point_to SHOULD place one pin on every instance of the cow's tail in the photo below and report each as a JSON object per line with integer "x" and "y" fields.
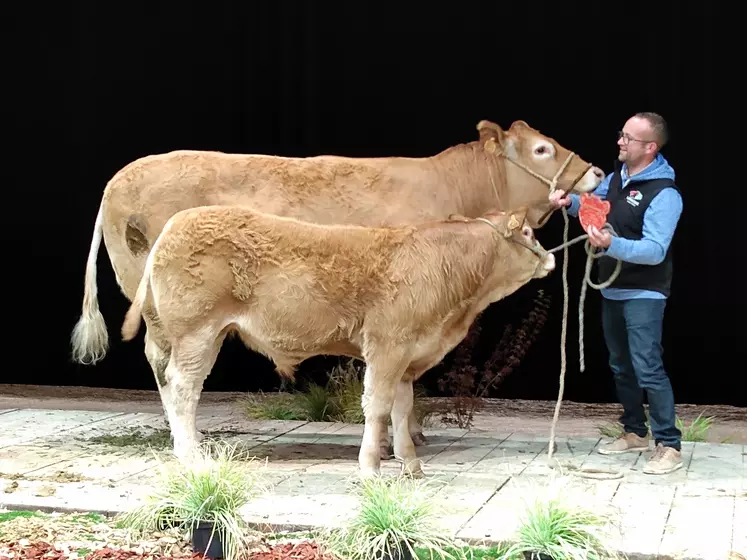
{"x": 134, "y": 314}
{"x": 90, "y": 339}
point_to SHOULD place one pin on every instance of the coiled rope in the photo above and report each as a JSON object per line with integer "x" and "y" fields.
{"x": 591, "y": 254}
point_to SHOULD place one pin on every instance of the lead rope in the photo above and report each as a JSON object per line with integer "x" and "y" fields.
{"x": 591, "y": 253}
{"x": 600, "y": 474}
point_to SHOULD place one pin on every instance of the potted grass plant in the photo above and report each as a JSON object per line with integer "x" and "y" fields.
{"x": 394, "y": 516}
{"x": 202, "y": 499}
{"x": 554, "y": 527}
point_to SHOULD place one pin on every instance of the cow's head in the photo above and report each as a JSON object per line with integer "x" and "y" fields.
{"x": 535, "y": 165}
{"x": 529, "y": 253}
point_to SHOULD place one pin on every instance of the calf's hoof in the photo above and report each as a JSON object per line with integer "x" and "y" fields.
{"x": 418, "y": 438}
{"x": 185, "y": 455}
{"x": 369, "y": 472}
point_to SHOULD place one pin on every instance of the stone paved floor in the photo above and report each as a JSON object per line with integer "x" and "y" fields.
{"x": 699, "y": 511}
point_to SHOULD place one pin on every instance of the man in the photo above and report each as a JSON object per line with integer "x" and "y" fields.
{"x": 645, "y": 207}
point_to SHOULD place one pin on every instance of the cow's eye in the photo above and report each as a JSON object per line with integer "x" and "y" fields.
{"x": 539, "y": 150}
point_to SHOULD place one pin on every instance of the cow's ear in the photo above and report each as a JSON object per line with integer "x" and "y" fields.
{"x": 519, "y": 124}
{"x": 491, "y": 135}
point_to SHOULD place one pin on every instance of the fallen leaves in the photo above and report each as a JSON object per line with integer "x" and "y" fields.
{"x": 69, "y": 532}
{"x": 291, "y": 551}
{"x": 63, "y": 536}
{"x": 26, "y": 550}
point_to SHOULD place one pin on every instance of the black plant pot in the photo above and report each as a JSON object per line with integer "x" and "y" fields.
{"x": 403, "y": 554}
{"x": 166, "y": 519}
{"x": 531, "y": 555}
{"x": 201, "y": 537}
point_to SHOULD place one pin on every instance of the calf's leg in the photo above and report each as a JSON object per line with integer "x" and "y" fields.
{"x": 383, "y": 372}
{"x": 190, "y": 363}
{"x": 158, "y": 358}
{"x": 157, "y": 351}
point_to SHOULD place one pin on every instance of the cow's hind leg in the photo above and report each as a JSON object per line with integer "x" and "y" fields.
{"x": 186, "y": 371}
{"x": 404, "y": 448}
{"x": 383, "y": 372}
{"x": 386, "y": 449}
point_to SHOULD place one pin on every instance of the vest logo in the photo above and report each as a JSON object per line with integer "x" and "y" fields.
{"x": 634, "y": 198}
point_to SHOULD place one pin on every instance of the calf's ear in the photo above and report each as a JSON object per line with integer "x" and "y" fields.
{"x": 517, "y": 218}
{"x": 512, "y": 221}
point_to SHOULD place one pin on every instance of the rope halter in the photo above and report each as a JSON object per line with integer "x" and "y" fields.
{"x": 536, "y": 248}
{"x": 492, "y": 147}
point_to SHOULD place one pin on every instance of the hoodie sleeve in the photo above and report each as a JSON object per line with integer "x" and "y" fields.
{"x": 659, "y": 223}
{"x": 600, "y": 191}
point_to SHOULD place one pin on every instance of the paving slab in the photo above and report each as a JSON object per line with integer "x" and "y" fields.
{"x": 699, "y": 527}
{"x": 22, "y": 426}
{"x": 739, "y": 526}
{"x": 483, "y": 478}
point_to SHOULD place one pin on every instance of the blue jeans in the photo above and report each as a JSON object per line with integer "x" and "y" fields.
{"x": 632, "y": 331}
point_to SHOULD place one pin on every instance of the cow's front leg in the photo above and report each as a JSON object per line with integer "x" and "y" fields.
{"x": 383, "y": 372}
{"x": 404, "y": 449}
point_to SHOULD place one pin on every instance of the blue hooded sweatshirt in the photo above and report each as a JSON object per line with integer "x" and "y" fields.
{"x": 659, "y": 223}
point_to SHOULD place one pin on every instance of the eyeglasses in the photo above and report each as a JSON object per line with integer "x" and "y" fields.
{"x": 627, "y": 138}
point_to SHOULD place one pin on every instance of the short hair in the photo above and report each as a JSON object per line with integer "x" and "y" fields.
{"x": 658, "y": 125}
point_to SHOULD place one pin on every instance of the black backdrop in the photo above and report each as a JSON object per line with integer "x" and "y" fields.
{"x": 95, "y": 85}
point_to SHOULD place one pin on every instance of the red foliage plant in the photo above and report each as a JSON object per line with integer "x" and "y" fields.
{"x": 469, "y": 384}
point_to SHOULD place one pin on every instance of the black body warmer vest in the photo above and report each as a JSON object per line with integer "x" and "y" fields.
{"x": 627, "y": 207}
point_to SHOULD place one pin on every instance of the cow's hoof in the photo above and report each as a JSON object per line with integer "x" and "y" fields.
{"x": 386, "y": 453}
{"x": 415, "y": 473}
{"x": 411, "y": 468}
{"x": 418, "y": 438}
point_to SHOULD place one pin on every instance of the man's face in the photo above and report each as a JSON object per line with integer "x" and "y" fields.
{"x": 636, "y": 141}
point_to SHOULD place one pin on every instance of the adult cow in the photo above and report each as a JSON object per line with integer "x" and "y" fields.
{"x": 397, "y": 298}
{"x": 501, "y": 170}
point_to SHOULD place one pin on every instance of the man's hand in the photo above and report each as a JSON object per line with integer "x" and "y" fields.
{"x": 601, "y": 239}
{"x": 559, "y": 198}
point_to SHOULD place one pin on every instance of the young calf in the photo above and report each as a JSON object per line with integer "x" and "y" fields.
{"x": 398, "y": 298}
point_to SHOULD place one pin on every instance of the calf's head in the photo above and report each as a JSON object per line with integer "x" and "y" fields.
{"x": 522, "y": 256}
